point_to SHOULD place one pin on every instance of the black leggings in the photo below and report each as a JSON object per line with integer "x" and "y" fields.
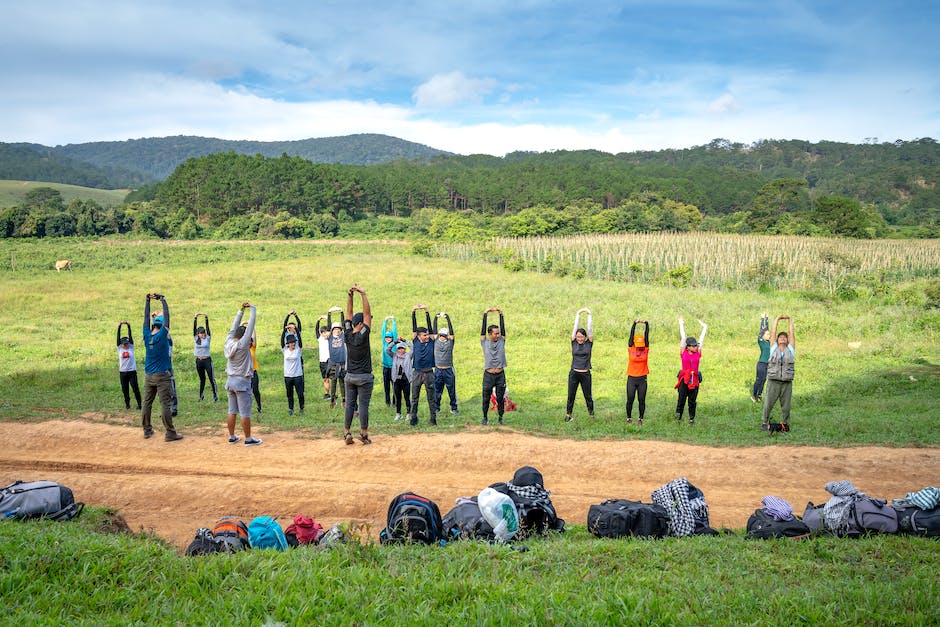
{"x": 255, "y": 389}
{"x": 291, "y": 384}
{"x": 636, "y": 389}
{"x": 402, "y": 390}
{"x": 491, "y": 381}
{"x": 583, "y": 379}
{"x": 691, "y": 395}
{"x": 204, "y": 369}
{"x": 129, "y": 380}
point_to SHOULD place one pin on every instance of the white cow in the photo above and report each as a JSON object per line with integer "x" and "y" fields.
{"x": 63, "y": 264}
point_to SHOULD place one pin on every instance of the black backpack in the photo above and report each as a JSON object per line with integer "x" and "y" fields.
{"x": 922, "y": 522}
{"x": 617, "y": 518}
{"x": 38, "y": 499}
{"x": 763, "y": 525}
{"x": 412, "y": 518}
{"x": 205, "y": 543}
{"x": 466, "y": 522}
{"x": 536, "y": 515}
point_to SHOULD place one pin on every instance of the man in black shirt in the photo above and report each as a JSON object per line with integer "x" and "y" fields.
{"x": 359, "y": 379}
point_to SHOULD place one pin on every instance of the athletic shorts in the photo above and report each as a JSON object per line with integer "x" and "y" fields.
{"x": 239, "y": 402}
{"x": 324, "y": 369}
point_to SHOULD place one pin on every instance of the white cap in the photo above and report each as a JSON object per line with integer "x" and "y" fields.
{"x": 443, "y": 331}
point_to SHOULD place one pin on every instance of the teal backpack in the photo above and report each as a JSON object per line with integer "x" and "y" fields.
{"x": 265, "y": 533}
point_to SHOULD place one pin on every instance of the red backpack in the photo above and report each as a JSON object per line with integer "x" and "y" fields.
{"x": 304, "y": 530}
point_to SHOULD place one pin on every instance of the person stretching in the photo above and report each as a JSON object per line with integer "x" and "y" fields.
{"x": 582, "y": 342}
{"x": 323, "y": 348}
{"x": 422, "y": 354}
{"x": 293, "y": 371}
{"x": 444, "y": 375}
{"x": 239, "y": 368}
{"x": 159, "y": 369}
{"x": 689, "y": 378}
{"x": 402, "y": 372}
{"x": 359, "y": 379}
{"x": 781, "y": 367}
{"x": 127, "y": 365}
{"x": 637, "y": 369}
{"x": 336, "y": 368}
{"x": 389, "y": 335}
{"x": 493, "y": 343}
{"x": 202, "y": 338}
{"x": 763, "y": 343}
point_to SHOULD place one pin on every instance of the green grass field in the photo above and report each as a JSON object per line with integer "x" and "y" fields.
{"x": 867, "y": 373}
{"x": 13, "y": 192}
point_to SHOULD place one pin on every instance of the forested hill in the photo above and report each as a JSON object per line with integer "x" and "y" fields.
{"x": 32, "y": 162}
{"x": 157, "y": 157}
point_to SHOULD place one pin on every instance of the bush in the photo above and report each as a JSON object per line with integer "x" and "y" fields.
{"x": 423, "y": 247}
{"x": 680, "y": 276}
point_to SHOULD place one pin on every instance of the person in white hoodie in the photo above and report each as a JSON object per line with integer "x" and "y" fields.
{"x": 240, "y": 368}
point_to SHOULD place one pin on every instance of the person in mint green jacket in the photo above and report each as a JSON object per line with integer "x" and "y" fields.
{"x": 389, "y": 336}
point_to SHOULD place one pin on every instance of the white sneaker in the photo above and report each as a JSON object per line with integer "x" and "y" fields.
{"x": 397, "y": 416}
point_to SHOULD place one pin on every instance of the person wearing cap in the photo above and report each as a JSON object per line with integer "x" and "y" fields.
{"x": 637, "y": 369}
{"x": 323, "y": 350}
{"x": 402, "y": 372}
{"x": 493, "y": 343}
{"x": 781, "y": 366}
{"x": 158, "y": 369}
{"x": 174, "y": 399}
{"x": 389, "y": 335}
{"x": 444, "y": 375}
{"x": 127, "y": 365}
{"x": 202, "y": 338}
{"x": 336, "y": 368}
{"x": 689, "y": 377}
{"x": 582, "y": 343}
{"x": 359, "y": 379}
{"x": 292, "y": 348}
{"x": 763, "y": 344}
{"x": 422, "y": 354}
{"x": 239, "y": 368}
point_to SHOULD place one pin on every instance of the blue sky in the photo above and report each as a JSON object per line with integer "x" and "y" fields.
{"x": 472, "y": 77}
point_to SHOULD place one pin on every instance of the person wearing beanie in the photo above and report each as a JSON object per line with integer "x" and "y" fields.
{"x": 389, "y": 335}
{"x": 444, "y": 375}
{"x": 127, "y": 365}
{"x": 689, "y": 377}
{"x": 202, "y": 339}
{"x": 158, "y": 369}
{"x": 493, "y": 343}
{"x": 637, "y": 369}
{"x": 239, "y": 367}
{"x": 422, "y": 354}
{"x": 359, "y": 379}
{"x": 582, "y": 343}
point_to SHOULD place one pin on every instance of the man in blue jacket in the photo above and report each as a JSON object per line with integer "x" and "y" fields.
{"x": 158, "y": 369}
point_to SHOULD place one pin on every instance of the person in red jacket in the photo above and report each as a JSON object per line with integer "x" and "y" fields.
{"x": 689, "y": 378}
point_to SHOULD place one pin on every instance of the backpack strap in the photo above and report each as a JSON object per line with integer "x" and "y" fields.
{"x": 73, "y": 510}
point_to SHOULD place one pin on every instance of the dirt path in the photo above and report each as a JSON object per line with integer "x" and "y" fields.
{"x": 172, "y": 489}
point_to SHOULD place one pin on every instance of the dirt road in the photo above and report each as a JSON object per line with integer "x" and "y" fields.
{"x": 171, "y": 489}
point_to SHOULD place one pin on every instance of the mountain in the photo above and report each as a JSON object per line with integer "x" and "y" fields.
{"x": 157, "y": 157}
{"x": 32, "y": 162}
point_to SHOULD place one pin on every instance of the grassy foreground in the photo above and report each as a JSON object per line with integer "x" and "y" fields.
{"x": 55, "y": 573}
{"x": 867, "y": 371}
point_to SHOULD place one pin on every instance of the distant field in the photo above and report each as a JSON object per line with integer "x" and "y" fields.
{"x": 13, "y": 192}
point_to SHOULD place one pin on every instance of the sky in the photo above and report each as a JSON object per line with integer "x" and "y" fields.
{"x": 476, "y": 76}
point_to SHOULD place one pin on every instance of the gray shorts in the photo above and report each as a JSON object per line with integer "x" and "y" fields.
{"x": 239, "y": 402}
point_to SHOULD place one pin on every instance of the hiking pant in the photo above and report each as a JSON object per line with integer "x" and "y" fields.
{"x": 255, "y": 390}
{"x": 336, "y": 373}
{"x": 759, "y": 380}
{"x": 583, "y": 379}
{"x": 491, "y": 381}
{"x": 291, "y": 384}
{"x": 387, "y": 384}
{"x": 204, "y": 369}
{"x": 782, "y": 390}
{"x": 174, "y": 399}
{"x": 445, "y": 377}
{"x": 359, "y": 391}
{"x": 691, "y": 395}
{"x": 636, "y": 390}
{"x": 128, "y": 381}
{"x": 423, "y": 378}
{"x": 402, "y": 390}
{"x": 158, "y": 384}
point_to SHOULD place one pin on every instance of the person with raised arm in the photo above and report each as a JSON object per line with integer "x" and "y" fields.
{"x": 444, "y": 375}
{"x": 239, "y": 367}
{"x": 422, "y": 354}
{"x": 689, "y": 377}
{"x": 637, "y": 369}
{"x": 127, "y": 365}
{"x": 781, "y": 367}
{"x": 359, "y": 378}
{"x": 582, "y": 343}
{"x": 336, "y": 368}
{"x": 202, "y": 341}
{"x": 402, "y": 372}
{"x": 292, "y": 347}
{"x": 763, "y": 344}
{"x": 323, "y": 350}
{"x": 389, "y": 337}
{"x": 159, "y": 369}
{"x": 493, "y": 343}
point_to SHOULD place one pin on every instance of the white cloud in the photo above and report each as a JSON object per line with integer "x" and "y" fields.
{"x": 452, "y": 89}
{"x": 723, "y": 104}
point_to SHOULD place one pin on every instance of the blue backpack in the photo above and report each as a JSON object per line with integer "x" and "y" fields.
{"x": 265, "y": 533}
